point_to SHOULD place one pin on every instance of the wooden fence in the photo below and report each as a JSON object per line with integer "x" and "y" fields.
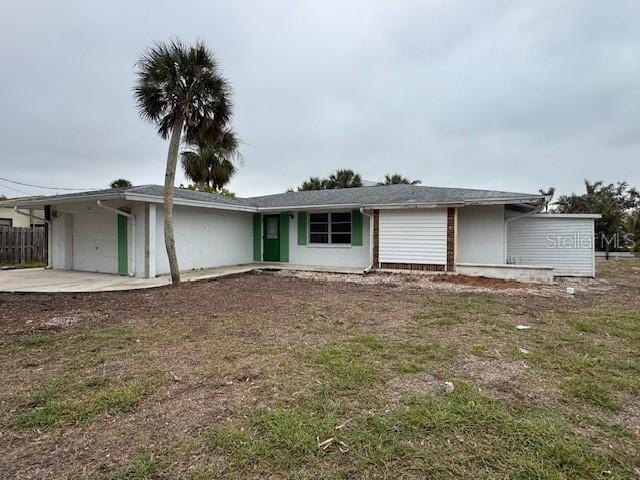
{"x": 23, "y": 245}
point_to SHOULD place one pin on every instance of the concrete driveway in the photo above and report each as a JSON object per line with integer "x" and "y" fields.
{"x": 51, "y": 281}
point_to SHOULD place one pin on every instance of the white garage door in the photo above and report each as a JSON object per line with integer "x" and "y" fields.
{"x": 413, "y": 236}
{"x": 565, "y": 243}
{"x": 95, "y": 247}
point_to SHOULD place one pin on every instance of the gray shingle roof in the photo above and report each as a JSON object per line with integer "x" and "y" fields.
{"x": 361, "y": 196}
{"x": 382, "y": 195}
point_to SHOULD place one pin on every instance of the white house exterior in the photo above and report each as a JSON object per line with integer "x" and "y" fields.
{"x": 404, "y": 227}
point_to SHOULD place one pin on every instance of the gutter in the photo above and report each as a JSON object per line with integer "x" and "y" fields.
{"x": 133, "y": 232}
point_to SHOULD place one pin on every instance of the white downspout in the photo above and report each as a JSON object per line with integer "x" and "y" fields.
{"x": 133, "y": 232}
{"x": 507, "y": 221}
{"x": 368, "y": 269}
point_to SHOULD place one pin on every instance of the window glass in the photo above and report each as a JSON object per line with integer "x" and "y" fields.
{"x": 330, "y": 228}
{"x": 319, "y": 217}
{"x": 319, "y": 238}
{"x": 341, "y": 228}
{"x": 6, "y": 222}
{"x": 272, "y": 228}
{"x": 341, "y": 238}
{"x": 341, "y": 217}
{"x": 319, "y": 227}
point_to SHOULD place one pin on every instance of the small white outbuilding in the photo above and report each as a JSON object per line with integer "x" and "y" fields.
{"x": 563, "y": 241}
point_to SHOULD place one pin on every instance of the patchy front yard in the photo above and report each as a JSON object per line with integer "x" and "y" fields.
{"x": 276, "y": 375}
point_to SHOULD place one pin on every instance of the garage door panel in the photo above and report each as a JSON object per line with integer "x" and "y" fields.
{"x": 94, "y": 243}
{"x": 413, "y": 236}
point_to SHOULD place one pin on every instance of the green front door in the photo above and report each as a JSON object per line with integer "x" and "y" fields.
{"x": 271, "y": 238}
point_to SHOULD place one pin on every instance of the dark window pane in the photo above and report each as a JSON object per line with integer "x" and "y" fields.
{"x": 319, "y": 238}
{"x": 318, "y": 217}
{"x": 341, "y": 238}
{"x": 319, "y": 227}
{"x": 341, "y": 217}
{"x": 340, "y": 227}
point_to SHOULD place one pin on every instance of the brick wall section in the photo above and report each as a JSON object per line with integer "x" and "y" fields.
{"x": 422, "y": 267}
{"x": 451, "y": 239}
{"x": 376, "y": 239}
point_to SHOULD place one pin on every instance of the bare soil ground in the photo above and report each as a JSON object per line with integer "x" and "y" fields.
{"x": 301, "y": 375}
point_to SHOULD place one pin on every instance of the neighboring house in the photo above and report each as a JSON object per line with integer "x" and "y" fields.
{"x": 10, "y": 218}
{"x": 403, "y": 227}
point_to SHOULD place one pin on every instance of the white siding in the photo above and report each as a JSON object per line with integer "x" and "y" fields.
{"x": 413, "y": 236}
{"x": 480, "y": 234}
{"x": 205, "y": 238}
{"x": 94, "y": 242}
{"x": 329, "y": 255}
{"x": 563, "y": 243}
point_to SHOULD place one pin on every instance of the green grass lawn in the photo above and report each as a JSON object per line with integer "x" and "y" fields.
{"x": 308, "y": 389}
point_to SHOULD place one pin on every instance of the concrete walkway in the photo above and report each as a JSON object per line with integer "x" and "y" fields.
{"x": 53, "y": 281}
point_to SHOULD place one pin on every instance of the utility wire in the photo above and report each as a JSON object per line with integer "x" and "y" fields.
{"x": 15, "y": 189}
{"x": 41, "y": 186}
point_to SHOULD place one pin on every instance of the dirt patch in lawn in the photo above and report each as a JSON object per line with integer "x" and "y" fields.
{"x": 405, "y": 386}
{"x": 630, "y": 415}
{"x": 505, "y": 378}
{"x": 480, "y": 282}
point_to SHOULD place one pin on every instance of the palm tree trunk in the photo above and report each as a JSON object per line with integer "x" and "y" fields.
{"x": 169, "y": 187}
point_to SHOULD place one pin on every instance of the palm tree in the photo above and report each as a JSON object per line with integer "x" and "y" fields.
{"x": 314, "y": 183}
{"x": 397, "y": 179}
{"x": 121, "y": 183}
{"x": 180, "y": 90}
{"x": 549, "y": 193}
{"x": 211, "y": 166}
{"x": 344, "y": 178}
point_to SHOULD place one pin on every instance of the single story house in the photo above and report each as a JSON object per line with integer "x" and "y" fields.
{"x": 400, "y": 227}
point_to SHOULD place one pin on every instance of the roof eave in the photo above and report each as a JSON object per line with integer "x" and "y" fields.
{"x": 133, "y": 197}
{"x": 41, "y": 202}
{"x": 137, "y": 197}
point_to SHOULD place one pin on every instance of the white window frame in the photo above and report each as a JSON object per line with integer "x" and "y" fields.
{"x": 329, "y": 232}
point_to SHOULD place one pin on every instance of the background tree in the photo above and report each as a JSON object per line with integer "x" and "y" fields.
{"x": 212, "y": 164}
{"x": 397, "y": 179}
{"x": 179, "y": 89}
{"x": 314, "y": 183}
{"x": 121, "y": 183}
{"x": 632, "y": 227}
{"x": 549, "y": 193}
{"x": 344, "y": 178}
{"x": 614, "y": 202}
{"x": 223, "y": 191}
{"x": 341, "y": 178}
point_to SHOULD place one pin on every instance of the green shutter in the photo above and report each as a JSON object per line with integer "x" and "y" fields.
{"x": 257, "y": 237}
{"x": 302, "y": 228}
{"x": 356, "y": 228}
{"x": 284, "y": 237}
{"x": 123, "y": 258}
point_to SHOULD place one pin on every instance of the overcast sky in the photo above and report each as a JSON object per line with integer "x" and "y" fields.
{"x": 500, "y": 94}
